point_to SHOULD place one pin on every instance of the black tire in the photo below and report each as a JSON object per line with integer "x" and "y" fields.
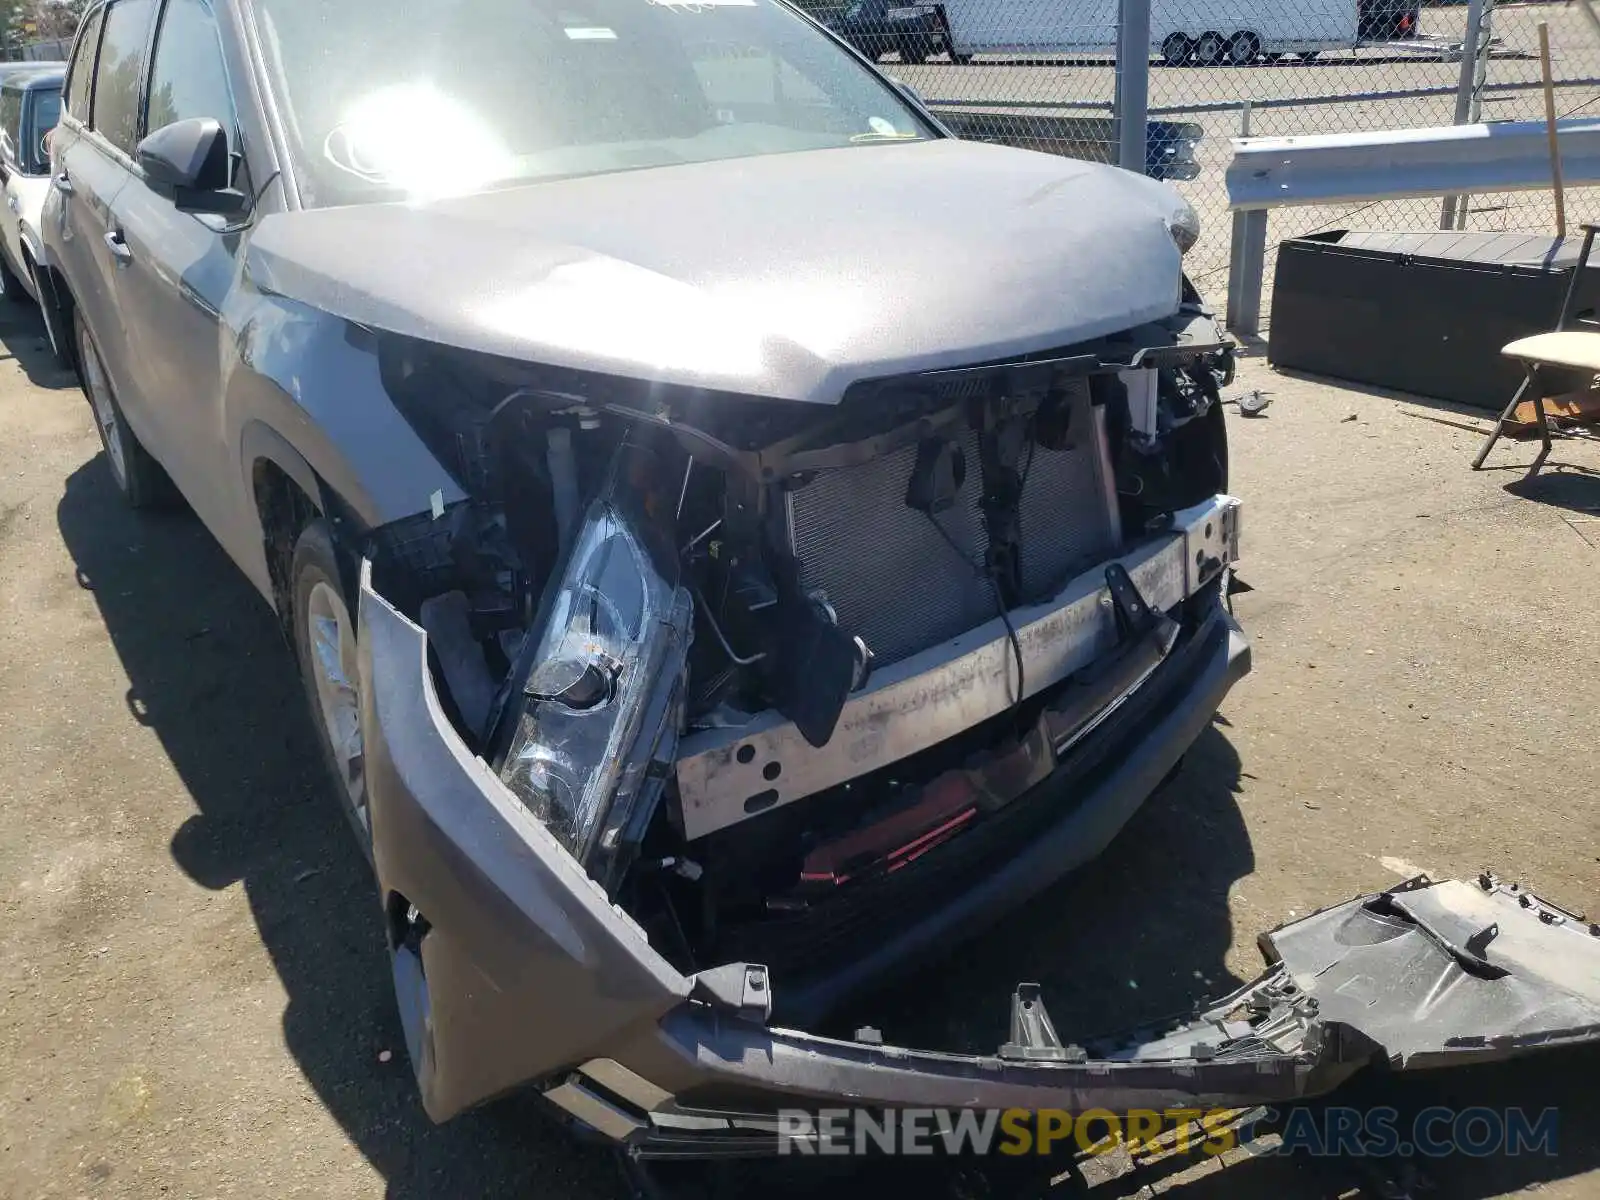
{"x": 1243, "y": 48}
{"x": 315, "y": 579}
{"x": 1177, "y": 49}
{"x": 914, "y": 49}
{"x": 55, "y": 321}
{"x": 10, "y": 285}
{"x": 138, "y": 477}
{"x": 1211, "y": 49}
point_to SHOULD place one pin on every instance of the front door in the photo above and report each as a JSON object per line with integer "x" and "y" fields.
{"x": 180, "y": 269}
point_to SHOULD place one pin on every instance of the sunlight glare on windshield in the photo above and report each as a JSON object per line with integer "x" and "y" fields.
{"x": 414, "y": 137}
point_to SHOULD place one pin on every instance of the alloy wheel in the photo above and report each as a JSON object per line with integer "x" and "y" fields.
{"x": 105, "y": 410}
{"x": 336, "y": 675}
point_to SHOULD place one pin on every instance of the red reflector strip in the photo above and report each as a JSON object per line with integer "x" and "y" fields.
{"x": 894, "y": 859}
{"x": 914, "y": 850}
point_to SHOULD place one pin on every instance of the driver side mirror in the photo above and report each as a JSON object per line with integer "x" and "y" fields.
{"x": 189, "y": 161}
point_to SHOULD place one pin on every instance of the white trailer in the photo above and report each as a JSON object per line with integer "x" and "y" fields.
{"x": 1208, "y": 32}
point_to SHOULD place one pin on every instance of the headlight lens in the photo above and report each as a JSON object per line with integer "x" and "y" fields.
{"x": 1184, "y": 226}
{"x": 614, "y": 635}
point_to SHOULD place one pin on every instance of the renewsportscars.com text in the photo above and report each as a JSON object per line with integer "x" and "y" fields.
{"x": 1321, "y": 1131}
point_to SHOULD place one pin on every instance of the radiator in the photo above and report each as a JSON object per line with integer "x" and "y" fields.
{"x": 901, "y": 585}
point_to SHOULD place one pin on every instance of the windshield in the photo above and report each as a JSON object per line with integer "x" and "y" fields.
{"x": 418, "y": 98}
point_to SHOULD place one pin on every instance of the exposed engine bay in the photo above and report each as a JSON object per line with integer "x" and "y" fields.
{"x": 750, "y": 659}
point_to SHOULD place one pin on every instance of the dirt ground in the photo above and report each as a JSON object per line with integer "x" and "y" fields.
{"x": 194, "y": 997}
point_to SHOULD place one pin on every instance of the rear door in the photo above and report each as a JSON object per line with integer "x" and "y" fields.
{"x": 94, "y": 161}
{"x": 178, "y": 269}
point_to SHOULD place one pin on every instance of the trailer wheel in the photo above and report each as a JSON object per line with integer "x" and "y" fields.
{"x": 1243, "y": 48}
{"x": 1176, "y": 49}
{"x": 1211, "y": 49}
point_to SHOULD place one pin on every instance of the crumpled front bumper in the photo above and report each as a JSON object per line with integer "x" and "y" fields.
{"x": 513, "y": 969}
{"x": 1423, "y": 975}
{"x": 512, "y": 966}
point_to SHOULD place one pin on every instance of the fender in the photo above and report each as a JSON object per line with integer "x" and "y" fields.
{"x": 34, "y": 245}
{"x": 259, "y": 442}
{"x": 306, "y": 394}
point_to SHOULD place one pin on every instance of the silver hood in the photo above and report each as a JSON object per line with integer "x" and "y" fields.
{"x": 789, "y": 276}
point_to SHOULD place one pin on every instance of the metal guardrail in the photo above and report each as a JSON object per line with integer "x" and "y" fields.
{"x": 1355, "y": 168}
{"x": 1350, "y": 168}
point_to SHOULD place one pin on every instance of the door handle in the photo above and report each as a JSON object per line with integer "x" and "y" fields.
{"x": 63, "y": 184}
{"x": 119, "y": 247}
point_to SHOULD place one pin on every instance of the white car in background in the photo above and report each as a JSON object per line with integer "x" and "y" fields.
{"x": 30, "y": 106}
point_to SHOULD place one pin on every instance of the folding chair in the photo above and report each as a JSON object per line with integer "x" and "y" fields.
{"x": 1562, "y": 349}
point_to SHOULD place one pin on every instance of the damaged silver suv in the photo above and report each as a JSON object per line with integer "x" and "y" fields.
{"x": 735, "y": 536}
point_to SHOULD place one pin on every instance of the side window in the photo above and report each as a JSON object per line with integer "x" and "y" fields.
{"x": 188, "y": 79}
{"x": 83, "y": 67}
{"x": 11, "y": 126}
{"x": 43, "y": 117}
{"x": 116, "y": 81}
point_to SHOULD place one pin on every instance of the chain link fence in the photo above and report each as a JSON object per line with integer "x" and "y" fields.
{"x": 1044, "y": 74}
{"x": 1514, "y": 92}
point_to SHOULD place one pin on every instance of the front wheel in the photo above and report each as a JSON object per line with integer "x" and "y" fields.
{"x": 1176, "y": 49}
{"x": 325, "y": 644}
{"x": 10, "y": 285}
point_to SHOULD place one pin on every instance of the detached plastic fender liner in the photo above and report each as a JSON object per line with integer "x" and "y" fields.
{"x": 528, "y": 967}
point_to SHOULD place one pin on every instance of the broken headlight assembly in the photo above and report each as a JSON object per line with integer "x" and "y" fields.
{"x": 600, "y": 684}
{"x": 1184, "y": 226}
